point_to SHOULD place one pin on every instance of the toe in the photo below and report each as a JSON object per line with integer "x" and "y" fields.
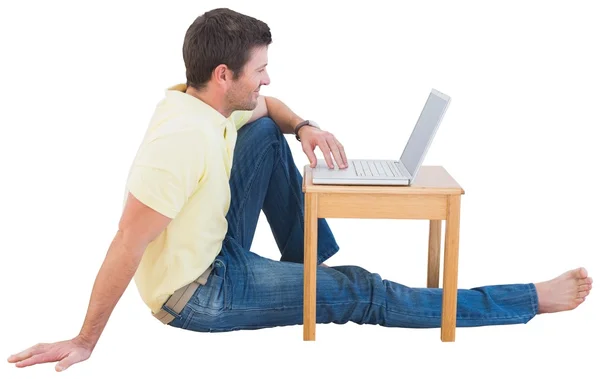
{"x": 584, "y": 281}
{"x": 583, "y": 294}
{"x": 584, "y": 287}
{"x": 577, "y": 273}
{"x": 582, "y": 273}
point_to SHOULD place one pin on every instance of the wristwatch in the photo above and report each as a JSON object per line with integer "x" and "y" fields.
{"x": 304, "y": 123}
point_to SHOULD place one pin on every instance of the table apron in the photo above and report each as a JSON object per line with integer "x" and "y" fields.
{"x": 382, "y": 206}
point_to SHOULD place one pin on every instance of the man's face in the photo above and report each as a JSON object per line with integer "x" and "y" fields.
{"x": 243, "y": 93}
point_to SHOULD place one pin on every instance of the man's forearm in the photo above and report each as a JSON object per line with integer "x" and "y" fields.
{"x": 114, "y": 276}
{"x": 282, "y": 115}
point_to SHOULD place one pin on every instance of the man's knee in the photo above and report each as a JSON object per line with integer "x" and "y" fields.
{"x": 262, "y": 128}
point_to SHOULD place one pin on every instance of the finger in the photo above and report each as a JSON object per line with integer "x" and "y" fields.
{"x": 335, "y": 150}
{"x": 326, "y": 152}
{"x": 19, "y": 357}
{"x": 38, "y": 358}
{"x": 24, "y": 354}
{"x": 68, "y": 361}
{"x": 310, "y": 154}
{"x": 342, "y": 152}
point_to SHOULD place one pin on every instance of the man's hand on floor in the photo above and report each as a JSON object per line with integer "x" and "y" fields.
{"x": 66, "y": 353}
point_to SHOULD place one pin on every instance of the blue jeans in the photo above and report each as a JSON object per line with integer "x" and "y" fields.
{"x": 248, "y": 291}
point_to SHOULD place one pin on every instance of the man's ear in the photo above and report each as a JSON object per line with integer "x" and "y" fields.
{"x": 221, "y": 74}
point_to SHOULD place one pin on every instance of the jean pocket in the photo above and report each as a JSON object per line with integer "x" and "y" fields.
{"x": 212, "y": 298}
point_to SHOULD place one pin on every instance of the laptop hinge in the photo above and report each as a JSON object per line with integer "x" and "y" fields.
{"x": 402, "y": 169}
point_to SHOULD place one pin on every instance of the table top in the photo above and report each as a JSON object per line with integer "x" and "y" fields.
{"x": 431, "y": 180}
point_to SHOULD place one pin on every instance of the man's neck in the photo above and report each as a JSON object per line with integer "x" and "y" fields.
{"x": 215, "y": 101}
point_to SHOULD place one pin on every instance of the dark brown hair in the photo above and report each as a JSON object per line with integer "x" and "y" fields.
{"x": 221, "y": 36}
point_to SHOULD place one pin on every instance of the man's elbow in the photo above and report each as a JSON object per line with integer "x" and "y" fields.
{"x": 140, "y": 225}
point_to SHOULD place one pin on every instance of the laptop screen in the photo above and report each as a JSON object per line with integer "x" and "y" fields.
{"x": 424, "y": 131}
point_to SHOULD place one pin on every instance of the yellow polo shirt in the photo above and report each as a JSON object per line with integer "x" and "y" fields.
{"x": 182, "y": 170}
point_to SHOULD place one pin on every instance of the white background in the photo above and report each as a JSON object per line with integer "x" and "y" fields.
{"x": 80, "y": 82}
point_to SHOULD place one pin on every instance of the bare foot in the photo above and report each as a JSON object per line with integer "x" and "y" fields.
{"x": 564, "y": 292}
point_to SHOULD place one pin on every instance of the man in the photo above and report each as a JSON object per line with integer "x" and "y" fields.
{"x": 213, "y": 157}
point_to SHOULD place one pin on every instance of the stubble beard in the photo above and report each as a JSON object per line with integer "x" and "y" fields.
{"x": 241, "y": 103}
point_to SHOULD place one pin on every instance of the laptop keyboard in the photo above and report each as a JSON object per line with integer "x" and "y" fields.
{"x": 375, "y": 168}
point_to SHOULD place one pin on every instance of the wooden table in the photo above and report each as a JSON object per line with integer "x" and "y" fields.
{"x": 434, "y": 196}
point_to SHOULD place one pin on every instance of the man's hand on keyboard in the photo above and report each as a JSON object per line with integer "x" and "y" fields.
{"x": 329, "y": 145}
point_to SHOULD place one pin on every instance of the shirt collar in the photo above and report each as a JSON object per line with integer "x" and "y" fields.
{"x": 178, "y": 92}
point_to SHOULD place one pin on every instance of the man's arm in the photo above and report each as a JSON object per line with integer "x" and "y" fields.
{"x": 311, "y": 137}
{"x": 139, "y": 225}
{"x": 278, "y": 111}
{"x": 282, "y": 115}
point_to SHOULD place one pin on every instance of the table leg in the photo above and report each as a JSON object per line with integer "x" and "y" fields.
{"x": 433, "y": 259}
{"x": 310, "y": 266}
{"x": 450, "y": 281}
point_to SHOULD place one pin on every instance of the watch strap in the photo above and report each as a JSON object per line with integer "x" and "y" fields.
{"x": 300, "y": 126}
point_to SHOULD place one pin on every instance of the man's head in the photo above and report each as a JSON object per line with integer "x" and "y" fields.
{"x": 225, "y": 53}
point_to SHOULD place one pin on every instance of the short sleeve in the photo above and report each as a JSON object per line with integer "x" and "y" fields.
{"x": 240, "y": 118}
{"x": 166, "y": 171}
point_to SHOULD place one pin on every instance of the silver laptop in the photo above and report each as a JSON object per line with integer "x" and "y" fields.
{"x": 390, "y": 172}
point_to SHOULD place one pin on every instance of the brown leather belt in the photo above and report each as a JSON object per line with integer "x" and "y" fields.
{"x": 179, "y": 299}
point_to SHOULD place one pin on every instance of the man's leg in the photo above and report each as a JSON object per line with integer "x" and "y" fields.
{"x": 247, "y": 291}
{"x": 265, "y": 177}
